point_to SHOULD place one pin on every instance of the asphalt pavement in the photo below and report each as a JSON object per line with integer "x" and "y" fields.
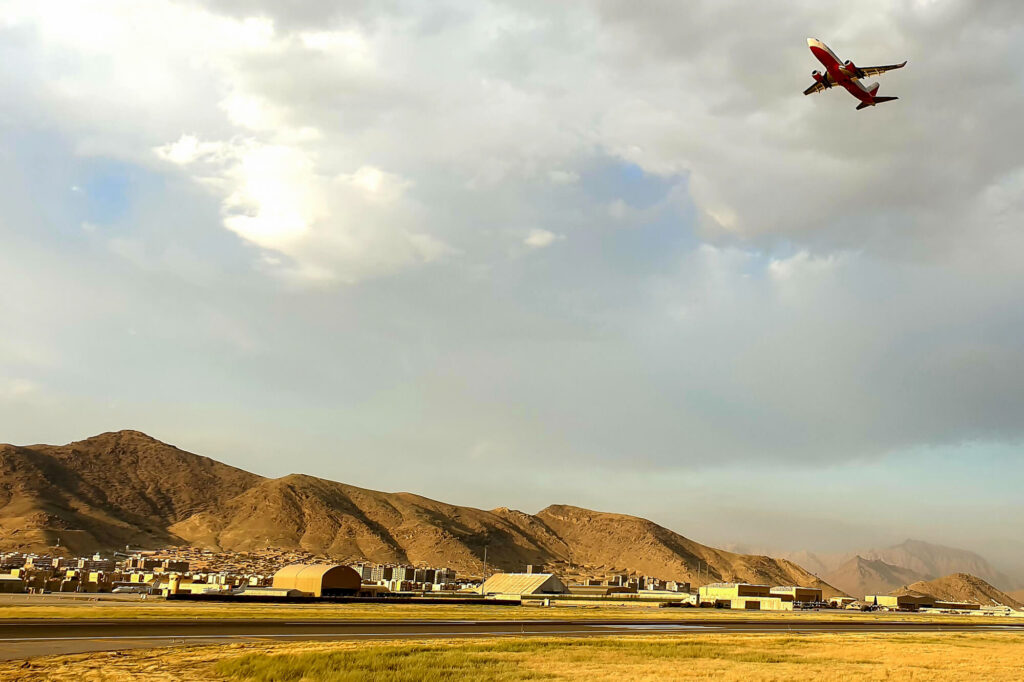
{"x": 26, "y": 638}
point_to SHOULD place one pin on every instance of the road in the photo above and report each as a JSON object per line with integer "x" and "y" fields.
{"x": 26, "y": 638}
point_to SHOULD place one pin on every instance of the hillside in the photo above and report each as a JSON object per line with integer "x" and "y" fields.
{"x": 617, "y": 540}
{"x": 860, "y": 576}
{"x": 107, "y": 491}
{"x": 962, "y": 587}
{"x": 350, "y": 523}
{"x": 125, "y": 487}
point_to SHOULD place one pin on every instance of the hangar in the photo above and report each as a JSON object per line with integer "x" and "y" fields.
{"x": 743, "y": 596}
{"x": 318, "y": 580}
{"x": 902, "y": 602}
{"x": 798, "y": 594}
{"x": 523, "y": 584}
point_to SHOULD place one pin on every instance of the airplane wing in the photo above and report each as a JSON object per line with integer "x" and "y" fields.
{"x": 818, "y": 86}
{"x": 877, "y": 70}
{"x": 815, "y": 87}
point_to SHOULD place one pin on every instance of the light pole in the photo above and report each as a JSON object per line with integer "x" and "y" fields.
{"x": 483, "y": 572}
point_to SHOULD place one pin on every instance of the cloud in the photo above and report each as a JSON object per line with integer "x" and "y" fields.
{"x": 342, "y": 227}
{"x": 563, "y": 177}
{"x": 539, "y": 239}
{"x": 802, "y": 284}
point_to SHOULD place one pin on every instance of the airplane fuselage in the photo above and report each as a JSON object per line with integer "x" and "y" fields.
{"x": 842, "y": 74}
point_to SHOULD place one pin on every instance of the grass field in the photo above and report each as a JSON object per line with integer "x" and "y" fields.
{"x": 922, "y": 658}
{"x": 160, "y": 609}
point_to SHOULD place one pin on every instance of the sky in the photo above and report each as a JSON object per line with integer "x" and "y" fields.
{"x": 523, "y": 253}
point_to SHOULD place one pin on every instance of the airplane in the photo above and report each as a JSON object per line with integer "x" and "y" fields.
{"x": 846, "y": 74}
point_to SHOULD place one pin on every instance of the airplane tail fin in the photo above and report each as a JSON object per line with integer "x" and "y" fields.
{"x": 873, "y": 89}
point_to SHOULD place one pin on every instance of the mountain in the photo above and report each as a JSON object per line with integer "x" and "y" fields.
{"x": 933, "y": 561}
{"x": 860, "y": 576}
{"x": 350, "y": 523}
{"x": 962, "y": 587}
{"x": 926, "y": 559}
{"x": 127, "y": 488}
{"x": 617, "y": 540}
{"x": 107, "y": 491}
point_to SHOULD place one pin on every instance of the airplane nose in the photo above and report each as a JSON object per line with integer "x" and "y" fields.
{"x": 811, "y": 42}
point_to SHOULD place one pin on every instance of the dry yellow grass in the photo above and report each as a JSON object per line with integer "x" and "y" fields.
{"x": 922, "y": 658}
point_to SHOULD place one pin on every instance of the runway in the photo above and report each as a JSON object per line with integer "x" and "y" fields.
{"x": 26, "y": 638}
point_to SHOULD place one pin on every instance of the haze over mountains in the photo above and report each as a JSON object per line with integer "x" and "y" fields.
{"x": 128, "y": 488}
{"x": 878, "y": 571}
{"x": 860, "y": 576}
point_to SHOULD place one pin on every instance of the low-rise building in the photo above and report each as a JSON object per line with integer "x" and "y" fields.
{"x": 806, "y": 595}
{"x": 900, "y": 602}
{"x": 956, "y": 606}
{"x": 11, "y": 584}
{"x": 523, "y": 584}
{"x": 744, "y": 596}
{"x": 841, "y": 602}
{"x": 727, "y": 591}
{"x": 262, "y": 591}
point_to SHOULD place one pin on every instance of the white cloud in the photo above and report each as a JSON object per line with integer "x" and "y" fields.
{"x": 188, "y": 149}
{"x": 332, "y": 227}
{"x": 801, "y": 263}
{"x": 252, "y": 112}
{"x": 539, "y": 239}
{"x": 376, "y": 185}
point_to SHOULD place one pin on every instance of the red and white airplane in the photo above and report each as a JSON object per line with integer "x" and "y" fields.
{"x": 847, "y": 74}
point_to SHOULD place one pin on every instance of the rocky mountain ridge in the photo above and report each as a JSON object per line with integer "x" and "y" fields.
{"x": 128, "y": 488}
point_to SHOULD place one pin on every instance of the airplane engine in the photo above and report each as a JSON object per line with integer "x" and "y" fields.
{"x": 817, "y": 75}
{"x": 854, "y": 69}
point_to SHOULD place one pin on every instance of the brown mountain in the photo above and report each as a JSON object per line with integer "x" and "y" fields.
{"x": 860, "y": 576}
{"x": 125, "y": 487}
{"x": 618, "y": 540}
{"x": 106, "y": 491}
{"x": 961, "y": 587}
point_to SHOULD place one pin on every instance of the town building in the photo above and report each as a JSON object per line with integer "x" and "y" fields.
{"x": 382, "y": 573}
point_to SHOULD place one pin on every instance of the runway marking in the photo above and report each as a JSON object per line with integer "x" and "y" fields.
{"x": 277, "y": 636}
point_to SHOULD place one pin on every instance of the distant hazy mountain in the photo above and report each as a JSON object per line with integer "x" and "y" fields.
{"x": 925, "y": 559}
{"x": 934, "y": 561}
{"x": 860, "y": 576}
{"x": 125, "y": 487}
{"x": 962, "y": 587}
